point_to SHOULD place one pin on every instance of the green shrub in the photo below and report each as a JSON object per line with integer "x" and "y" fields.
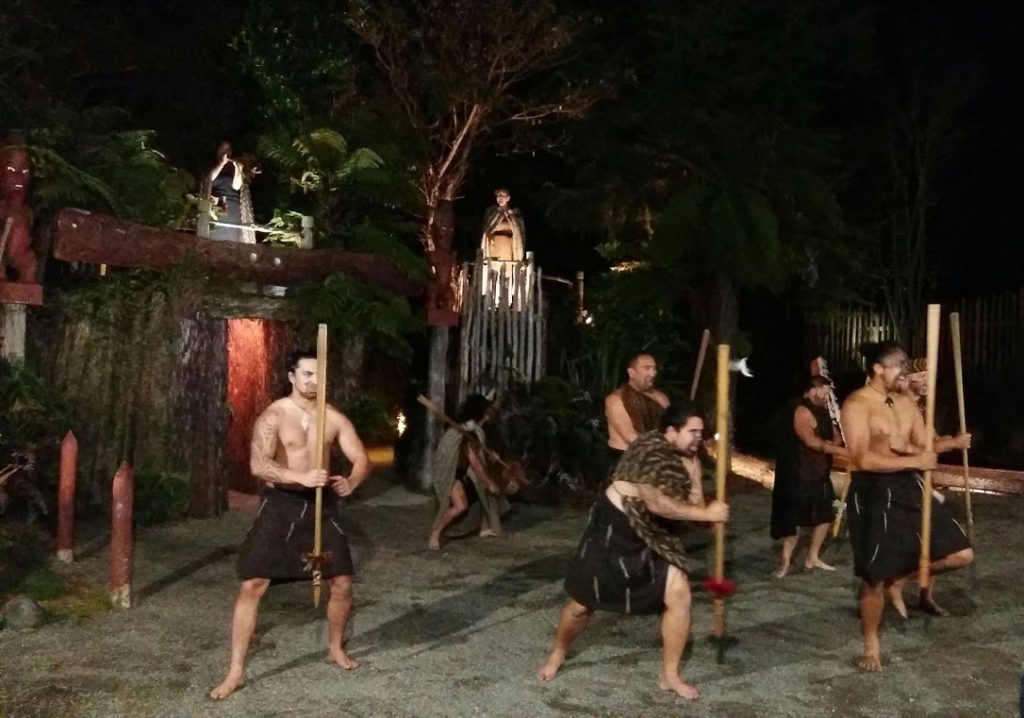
{"x": 160, "y": 496}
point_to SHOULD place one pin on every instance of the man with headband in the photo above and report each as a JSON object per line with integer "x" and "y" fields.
{"x": 884, "y": 434}
{"x": 914, "y": 385}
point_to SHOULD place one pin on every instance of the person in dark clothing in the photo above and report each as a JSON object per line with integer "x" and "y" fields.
{"x": 803, "y": 493}
{"x": 628, "y": 560}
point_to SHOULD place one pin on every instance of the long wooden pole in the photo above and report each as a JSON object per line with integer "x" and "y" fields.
{"x": 934, "y": 315}
{"x": 318, "y": 457}
{"x": 705, "y": 337}
{"x": 721, "y": 469}
{"x": 958, "y": 368}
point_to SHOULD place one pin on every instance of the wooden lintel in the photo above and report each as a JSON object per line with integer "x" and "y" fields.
{"x": 81, "y": 236}
{"x": 19, "y": 293}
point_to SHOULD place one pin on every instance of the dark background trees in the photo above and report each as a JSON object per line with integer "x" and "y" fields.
{"x": 757, "y": 161}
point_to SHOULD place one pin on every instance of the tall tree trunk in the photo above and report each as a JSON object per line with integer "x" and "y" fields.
{"x": 436, "y": 381}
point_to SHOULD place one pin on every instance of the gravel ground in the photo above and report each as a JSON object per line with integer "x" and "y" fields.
{"x": 461, "y": 632}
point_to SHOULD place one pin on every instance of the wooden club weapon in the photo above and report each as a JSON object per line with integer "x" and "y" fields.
{"x": 439, "y": 413}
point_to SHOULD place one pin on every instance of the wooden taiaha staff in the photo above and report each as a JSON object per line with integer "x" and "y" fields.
{"x": 316, "y": 558}
{"x": 705, "y": 337}
{"x": 924, "y": 565}
{"x": 439, "y": 413}
{"x": 718, "y": 585}
{"x": 958, "y": 368}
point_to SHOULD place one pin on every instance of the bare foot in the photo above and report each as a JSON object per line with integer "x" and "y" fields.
{"x": 871, "y": 664}
{"x": 781, "y": 571}
{"x": 896, "y": 596}
{"x": 550, "y": 668}
{"x": 871, "y": 661}
{"x": 818, "y": 563}
{"x": 676, "y": 685}
{"x": 487, "y": 533}
{"x": 234, "y": 681}
{"x": 434, "y": 543}
{"x": 339, "y": 656}
{"x": 928, "y": 605}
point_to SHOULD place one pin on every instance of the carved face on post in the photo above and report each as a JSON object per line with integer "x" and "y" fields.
{"x": 444, "y": 226}
{"x": 15, "y": 173}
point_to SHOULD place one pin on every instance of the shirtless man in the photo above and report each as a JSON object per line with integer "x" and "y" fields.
{"x": 283, "y": 446}
{"x": 636, "y": 406}
{"x": 915, "y": 385}
{"x": 884, "y": 433}
{"x": 627, "y": 561}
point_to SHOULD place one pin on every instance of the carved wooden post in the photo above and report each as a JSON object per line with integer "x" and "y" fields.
{"x": 121, "y": 538}
{"x": 580, "y": 317}
{"x": 66, "y": 498}
{"x": 307, "y": 232}
{"x": 203, "y": 220}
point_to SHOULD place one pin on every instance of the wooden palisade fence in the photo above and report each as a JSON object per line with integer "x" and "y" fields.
{"x": 992, "y": 329}
{"x": 502, "y": 335}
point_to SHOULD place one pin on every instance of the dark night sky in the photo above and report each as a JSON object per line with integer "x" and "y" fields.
{"x": 975, "y": 230}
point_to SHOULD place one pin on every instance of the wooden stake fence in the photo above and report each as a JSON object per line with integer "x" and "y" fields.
{"x": 503, "y": 325}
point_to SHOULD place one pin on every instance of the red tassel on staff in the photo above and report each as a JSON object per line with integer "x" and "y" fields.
{"x": 121, "y": 537}
{"x": 66, "y": 498}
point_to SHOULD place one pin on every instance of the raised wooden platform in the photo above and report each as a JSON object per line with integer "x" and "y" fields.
{"x": 81, "y": 236}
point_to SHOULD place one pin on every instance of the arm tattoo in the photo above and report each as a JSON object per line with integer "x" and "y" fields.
{"x": 264, "y": 448}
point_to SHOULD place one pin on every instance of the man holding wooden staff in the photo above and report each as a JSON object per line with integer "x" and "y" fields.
{"x": 277, "y": 547}
{"x": 803, "y": 493}
{"x": 884, "y": 433}
{"x": 914, "y": 384}
{"x": 628, "y": 561}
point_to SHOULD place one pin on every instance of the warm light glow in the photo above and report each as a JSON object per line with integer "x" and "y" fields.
{"x": 629, "y": 266}
{"x": 400, "y": 423}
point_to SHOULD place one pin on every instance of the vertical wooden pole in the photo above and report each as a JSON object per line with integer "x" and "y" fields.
{"x": 579, "y": 297}
{"x": 121, "y": 537}
{"x": 319, "y": 457}
{"x": 542, "y": 344}
{"x": 721, "y": 471}
{"x": 705, "y": 337}
{"x": 958, "y": 369}
{"x": 66, "y": 498}
{"x": 934, "y": 315}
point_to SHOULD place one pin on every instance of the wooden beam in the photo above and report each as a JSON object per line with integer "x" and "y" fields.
{"x": 81, "y": 236}
{"x": 1000, "y": 481}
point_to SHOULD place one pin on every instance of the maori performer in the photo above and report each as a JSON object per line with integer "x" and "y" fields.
{"x": 803, "y": 493}
{"x": 16, "y": 216}
{"x": 466, "y": 497}
{"x": 628, "y": 561}
{"x": 914, "y": 384}
{"x": 634, "y": 408}
{"x": 884, "y": 433}
{"x": 276, "y": 547}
